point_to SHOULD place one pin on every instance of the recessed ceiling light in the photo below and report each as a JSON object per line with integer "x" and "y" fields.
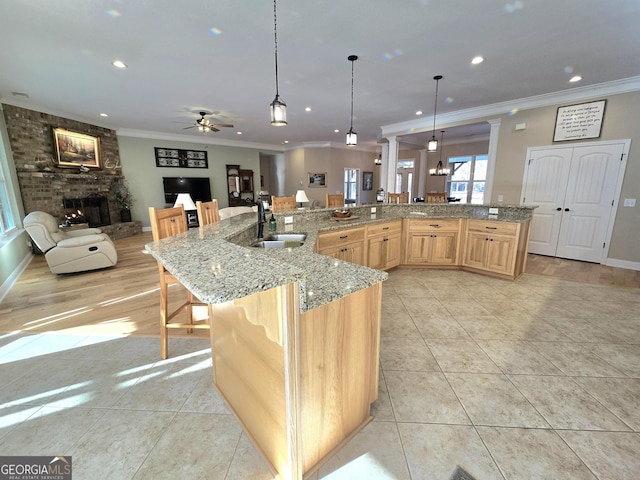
{"x": 419, "y": 112}
{"x": 307, "y": 109}
{"x": 477, "y": 60}
{"x": 576, "y": 78}
{"x": 104, "y": 115}
{"x": 238, "y": 133}
{"x": 286, "y": 141}
{"x": 337, "y": 131}
{"x": 119, "y": 64}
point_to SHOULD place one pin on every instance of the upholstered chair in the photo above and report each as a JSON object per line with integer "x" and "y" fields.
{"x": 70, "y": 251}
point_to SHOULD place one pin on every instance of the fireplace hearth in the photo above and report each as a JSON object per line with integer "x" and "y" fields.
{"x": 93, "y": 210}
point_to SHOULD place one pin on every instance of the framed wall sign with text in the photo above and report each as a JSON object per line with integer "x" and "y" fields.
{"x": 175, "y": 157}
{"x": 576, "y": 122}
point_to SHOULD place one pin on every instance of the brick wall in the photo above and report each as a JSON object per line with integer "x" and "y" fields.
{"x": 43, "y": 184}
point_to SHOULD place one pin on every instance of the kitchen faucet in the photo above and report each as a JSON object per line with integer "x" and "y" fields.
{"x": 262, "y": 219}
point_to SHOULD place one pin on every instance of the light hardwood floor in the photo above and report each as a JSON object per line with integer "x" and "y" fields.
{"x": 124, "y": 299}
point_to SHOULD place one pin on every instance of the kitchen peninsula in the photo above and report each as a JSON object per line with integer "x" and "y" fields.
{"x": 295, "y": 335}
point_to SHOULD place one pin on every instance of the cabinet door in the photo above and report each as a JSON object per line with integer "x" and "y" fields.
{"x": 354, "y": 253}
{"x": 384, "y": 251}
{"x": 418, "y": 248}
{"x": 475, "y": 254}
{"x": 376, "y": 253}
{"x": 501, "y": 254}
{"x": 392, "y": 250}
{"x": 444, "y": 248}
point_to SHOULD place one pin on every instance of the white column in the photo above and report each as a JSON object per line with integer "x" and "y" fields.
{"x": 422, "y": 180}
{"x": 382, "y": 172}
{"x": 392, "y": 164}
{"x": 492, "y": 154}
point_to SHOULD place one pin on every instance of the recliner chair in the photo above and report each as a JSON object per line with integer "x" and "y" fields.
{"x": 73, "y": 251}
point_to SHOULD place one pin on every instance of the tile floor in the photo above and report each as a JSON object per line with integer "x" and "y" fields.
{"x": 533, "y": 379}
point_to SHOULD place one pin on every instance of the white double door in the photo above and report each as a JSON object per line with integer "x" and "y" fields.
{"x": 575, "y": 189}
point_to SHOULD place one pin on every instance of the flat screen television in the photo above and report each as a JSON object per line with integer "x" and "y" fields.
{"x": 198, "y": 187}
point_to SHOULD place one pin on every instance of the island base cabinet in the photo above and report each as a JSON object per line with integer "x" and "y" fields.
{"x": 498, "y": 248}
{"x": 300, "y": 384}
{"x": 432, "y": 242}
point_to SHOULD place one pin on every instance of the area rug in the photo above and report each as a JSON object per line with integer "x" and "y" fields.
{"x": 460, "y": 474}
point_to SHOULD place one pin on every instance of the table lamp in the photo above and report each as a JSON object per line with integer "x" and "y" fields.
{"x": 301, "y": 197}
{"x": 186, "y": 201}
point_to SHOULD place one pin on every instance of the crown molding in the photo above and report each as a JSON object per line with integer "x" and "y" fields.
{"x": 176, "y": 137}
{"x": 425, "y": 124}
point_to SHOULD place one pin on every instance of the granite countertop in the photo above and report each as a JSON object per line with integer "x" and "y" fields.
{"x": 217, "y": 264}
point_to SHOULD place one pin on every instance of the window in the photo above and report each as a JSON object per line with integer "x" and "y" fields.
{"x": 468, "y": 178}
{"x": 405, "y": 166}
{"x": 351, "y": 185}
{"x": 6, "y": 217}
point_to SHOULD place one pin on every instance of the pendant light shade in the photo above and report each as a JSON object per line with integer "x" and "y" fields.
{"x": 278, "y": 107}
{"x": 352, "y": 136}
{"x": 440, "y": 171}
{"x": 432, "y": 146}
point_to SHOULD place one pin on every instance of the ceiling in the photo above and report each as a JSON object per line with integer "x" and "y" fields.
{"x": 218, "y": 56}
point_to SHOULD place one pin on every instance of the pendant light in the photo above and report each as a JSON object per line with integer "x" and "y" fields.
{"x": 432, "y": 146}
{"x": 440, "y": 171}
{"x": 278, "y": 107}
{"x": 352, "y": 137}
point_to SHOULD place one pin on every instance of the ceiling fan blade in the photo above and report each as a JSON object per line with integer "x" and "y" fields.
{"x": 222, "y": 125}
{"x": 185, "y": 128}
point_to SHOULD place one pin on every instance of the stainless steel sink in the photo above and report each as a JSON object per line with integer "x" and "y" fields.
{"x": 299, "y": 237}
{"x": 281, "y": 240}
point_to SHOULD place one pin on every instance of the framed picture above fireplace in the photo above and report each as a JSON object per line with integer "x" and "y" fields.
{"x": 76, "y": 149}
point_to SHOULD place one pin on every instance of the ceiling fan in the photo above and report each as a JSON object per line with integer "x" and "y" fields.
{"x": 204, "y": 124}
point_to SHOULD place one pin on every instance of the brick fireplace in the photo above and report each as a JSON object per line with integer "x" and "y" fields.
{"x": 46, "y": 187}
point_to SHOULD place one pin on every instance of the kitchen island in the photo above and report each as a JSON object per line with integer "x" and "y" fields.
{"x": 295, "y": 335}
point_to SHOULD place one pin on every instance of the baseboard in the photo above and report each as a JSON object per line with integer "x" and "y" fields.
{"x": 15, "y": 275}
{"x": 146, "y": 229}
{"x": 613, "y": 262}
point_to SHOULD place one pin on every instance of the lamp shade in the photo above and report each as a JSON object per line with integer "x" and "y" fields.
{"x": 301, "y": 196}
{"x": 352, "y": 138}
{"x": 186, "y": 201}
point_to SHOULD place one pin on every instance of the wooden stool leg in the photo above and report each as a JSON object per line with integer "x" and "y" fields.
{"x": 164, "y": 334}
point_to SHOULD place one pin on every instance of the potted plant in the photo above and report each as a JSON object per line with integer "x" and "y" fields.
{"x": 124, "y": 200}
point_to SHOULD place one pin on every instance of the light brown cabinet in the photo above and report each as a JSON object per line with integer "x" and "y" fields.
{"x": 384, "y": 244}
{"x": 496, "y": 247}
{"x": 433, "y": 241}
{"x": 347, "y": 244}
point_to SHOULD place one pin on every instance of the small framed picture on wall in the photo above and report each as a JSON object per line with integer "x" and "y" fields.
{"x": 317, "y": 179}
{"x": 367, "y": 180}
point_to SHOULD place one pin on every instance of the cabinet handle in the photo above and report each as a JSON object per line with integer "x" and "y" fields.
{"x": 559, "y": 209}
{"x": 344, "y": 236}
{"x": 491, "y": 239}
{"x": 567, "y": 210}
{"x": 385, "y": 240}
{"x": 491, "y": 228}
{"x": 385, "y": 228}
{"x": 435, "y": 225}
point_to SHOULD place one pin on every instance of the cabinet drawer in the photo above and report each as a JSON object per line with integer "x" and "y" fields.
{"x": 434, "y": 225}
{"x": 497, "y": 228}
{"x": 384, "y": 228}
{"x": 338, "y": 237}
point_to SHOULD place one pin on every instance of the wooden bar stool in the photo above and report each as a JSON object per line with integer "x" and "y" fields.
{"x": 283, "y": 204}
{"x": 207, "y": 212}
{"x": 437, "y": 197}
{"x": 167, "y": 223}
{"x": 335, "y": 200}
{"x": 398, "y": 197}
